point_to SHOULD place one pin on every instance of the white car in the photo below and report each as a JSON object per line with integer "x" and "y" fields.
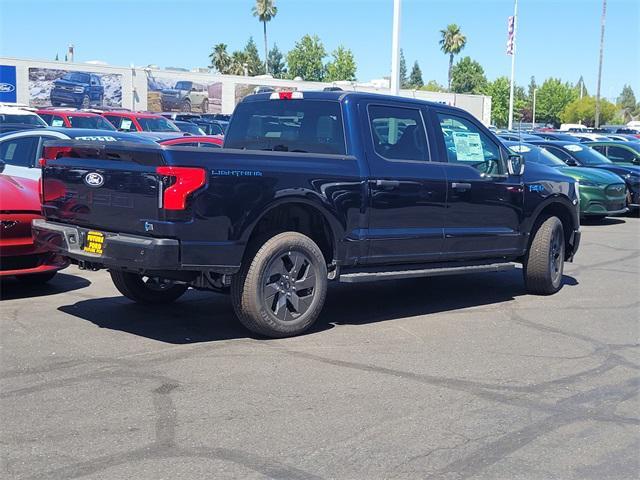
{"x": 21, "y": 150}
{"x": 15, "y": 118}
{"x": 589, "y": 137}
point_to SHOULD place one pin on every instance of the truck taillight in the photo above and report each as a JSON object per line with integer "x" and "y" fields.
{"x": 51, "y": 153}
{"x": 187, "y": 181}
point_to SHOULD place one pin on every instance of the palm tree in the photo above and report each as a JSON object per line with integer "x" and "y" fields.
{"x": 220, "y": 58}
{"x": 451, "y": 43}
{"x": 238, "y": 63}
{"x": 265, "y": 10}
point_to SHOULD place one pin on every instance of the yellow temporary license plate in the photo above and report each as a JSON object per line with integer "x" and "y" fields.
{"x": 94, "y": 242}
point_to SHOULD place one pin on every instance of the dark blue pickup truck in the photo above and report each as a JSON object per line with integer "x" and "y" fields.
{"x": 309, "y": 187}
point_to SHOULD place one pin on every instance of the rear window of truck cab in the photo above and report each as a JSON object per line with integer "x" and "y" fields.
{"x": 303, "y": 126}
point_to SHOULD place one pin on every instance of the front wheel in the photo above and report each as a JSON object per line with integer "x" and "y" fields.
{"x": 86, "y": 102}
{"x": 544, "y": 264}
{"x": 148, "y": 290}
{"x": 280, "y": 291}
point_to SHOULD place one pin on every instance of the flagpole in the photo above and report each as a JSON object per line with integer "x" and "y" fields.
{"x": 513, "y": 64}
{"x": 395, "y": 49}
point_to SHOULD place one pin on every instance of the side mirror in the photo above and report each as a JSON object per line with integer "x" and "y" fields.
{"x": 571, "y": 162}
{"x": 2, "y": 164}
{"x": 515, "y": 164}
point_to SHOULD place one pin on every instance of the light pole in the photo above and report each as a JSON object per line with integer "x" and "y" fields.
{"x": 513, "y": 63}
{"x": 533, "y": 119}
{"x": 395, "y": 49}
{"x": 602, "y": 19}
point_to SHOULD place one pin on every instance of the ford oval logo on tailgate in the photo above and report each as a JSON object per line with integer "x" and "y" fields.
{"x": 94, "y": 179}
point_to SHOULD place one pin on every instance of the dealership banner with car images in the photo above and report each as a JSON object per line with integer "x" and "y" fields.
{"x": 170, "y": 94}
{"x": 8, "y": 91}
{"x": 73, "y": 88}
{"x": 244, "y": 89}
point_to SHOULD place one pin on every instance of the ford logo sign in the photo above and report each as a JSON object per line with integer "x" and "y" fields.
{"x": 6, "y": 87}
{"x": 94, "y": 179}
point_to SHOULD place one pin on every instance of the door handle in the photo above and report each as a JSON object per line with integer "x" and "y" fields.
{"x": 387, "y": 183}
{"x": 461, "y": 186}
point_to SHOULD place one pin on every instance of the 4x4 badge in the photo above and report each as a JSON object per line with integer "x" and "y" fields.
{"x": 94, "y": 179}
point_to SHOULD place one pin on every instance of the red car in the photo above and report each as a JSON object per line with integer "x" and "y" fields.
{"x": 214, "y": 141}
{"x": 141, "y": 122}
{"x": 74, "y": 119}
{"x": 19, "y": 257}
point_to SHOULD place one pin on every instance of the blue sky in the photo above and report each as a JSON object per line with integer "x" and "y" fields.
{"x": 556, "y": 37}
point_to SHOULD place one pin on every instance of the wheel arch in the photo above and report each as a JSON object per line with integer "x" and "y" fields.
{"x": 562, "y": 208}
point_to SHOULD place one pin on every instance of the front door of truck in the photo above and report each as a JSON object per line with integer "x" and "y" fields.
{"x": 407, "y": 192}
{"x": 484, "y": 203}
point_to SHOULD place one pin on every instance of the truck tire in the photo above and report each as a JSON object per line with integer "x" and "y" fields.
{"x": 86, "y": 102}
{"x": 280, "y": 290}
{"x": 544, "y": 263}
{"x": 147, "y": 290}
{"x": 205, "y": 106}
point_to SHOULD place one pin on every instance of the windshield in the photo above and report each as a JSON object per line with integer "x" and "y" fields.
{"x": 586, "y": 155}
{"x": 153, "y": 124}
{"x": 191, "y": 128}
{"x": 306, "y": 126}
{"x": 76, "y": 77}
{"x": 183, "y": 86}
{"x": 96, "y": 122}
{"x": 537, "y": 155}
{"x": 21, "y": 119}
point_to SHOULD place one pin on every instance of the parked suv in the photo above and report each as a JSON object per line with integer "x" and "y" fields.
{"x": 80, "y": 89}
{"x": 74, "y": 119}
{"x": 185, "y": 96}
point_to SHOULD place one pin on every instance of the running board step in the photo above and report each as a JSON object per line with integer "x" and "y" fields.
{"x": 358, "y": 277}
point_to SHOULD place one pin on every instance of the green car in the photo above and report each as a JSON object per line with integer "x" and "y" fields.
{"x": 618, "y": 152}
{"x": 602, "y": 193}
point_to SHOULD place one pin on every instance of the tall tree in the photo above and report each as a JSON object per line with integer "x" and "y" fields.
{"x": 238, "y": 63}
{"x": 452, "y": 42}
{"x": 415, "y": 78}
{"x": 275, "y": 62}
{"x": 499, "y": 91}
{"x": 255, "y": 66}
{"x": 531, "y": 88}
{"x": 433, "y": 86}
{"x": 553, "y": 96}
{"x": 627, "y": 99}
{"x": 342, "y": 67}
{"x": 602, "y": 19}
{"x": 583, "y": 110}
{"x": 305, "y": 59}
{"x": 220, "y": 59}
{"x": 581, "y": 88}
{"x": 467, "y": 76}
{"x": 265, "y": 10}
{"x": 404, "y": 83}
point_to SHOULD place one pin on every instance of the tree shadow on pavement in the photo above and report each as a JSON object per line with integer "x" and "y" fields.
{"x": 11, "y": 289}
{"x": 205, "y": 317}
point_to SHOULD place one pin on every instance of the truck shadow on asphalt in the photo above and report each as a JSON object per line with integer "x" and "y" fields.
{"x": 206, "y": 317}
{"x": 12, "y": 289}
{"x": 602, "y": 222}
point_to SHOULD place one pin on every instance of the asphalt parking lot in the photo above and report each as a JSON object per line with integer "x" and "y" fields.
{"x": 460, "y": 377}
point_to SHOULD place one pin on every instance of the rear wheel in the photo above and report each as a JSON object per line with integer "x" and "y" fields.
{"x": 205, "y": 106}
{"x": 280, "y": 291}
{"x": 36, "y": 278}
{"x": 144, "y": 289}
{"x": 544, "y": 264}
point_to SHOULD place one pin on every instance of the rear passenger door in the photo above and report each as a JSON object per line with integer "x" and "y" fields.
{"x": 484, "y": 203}
{"x": 407, "y": 192}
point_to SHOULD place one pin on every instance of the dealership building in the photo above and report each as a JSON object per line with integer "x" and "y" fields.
{"x": 40, "y": 83}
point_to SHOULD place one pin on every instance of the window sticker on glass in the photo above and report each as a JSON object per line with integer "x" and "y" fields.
{"x": 573, "y": 148}
{"x": 520, "y": 148}
{"x": 126, "y": 124}
{"x": 468, "y": 147}
{"x": 57, "y": 122}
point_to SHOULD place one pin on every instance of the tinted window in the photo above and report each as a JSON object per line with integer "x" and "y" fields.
{"x": 398, "y": 133}
{"x": 619, "y": 154}
{"x": 558, "y": 152}
{"x": 19, "y": 151}
{"x": 46, "y": 117}
{"x": 586, "y": 155}
{"x": 115, "y": 121}
{"x": 183, "y": 86}
{"x": 160, "y": 124}
{"x": 312, "y": 126}
{"x": 76, "y": 77}
{"x": 89, "y": 122}
{"x": 467, "y": 144}
{"x": 21, "y": 119}
{"x": 537, "y": 155}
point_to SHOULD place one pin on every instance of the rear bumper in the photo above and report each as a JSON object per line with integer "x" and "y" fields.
{"x": 124, "y": 252}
